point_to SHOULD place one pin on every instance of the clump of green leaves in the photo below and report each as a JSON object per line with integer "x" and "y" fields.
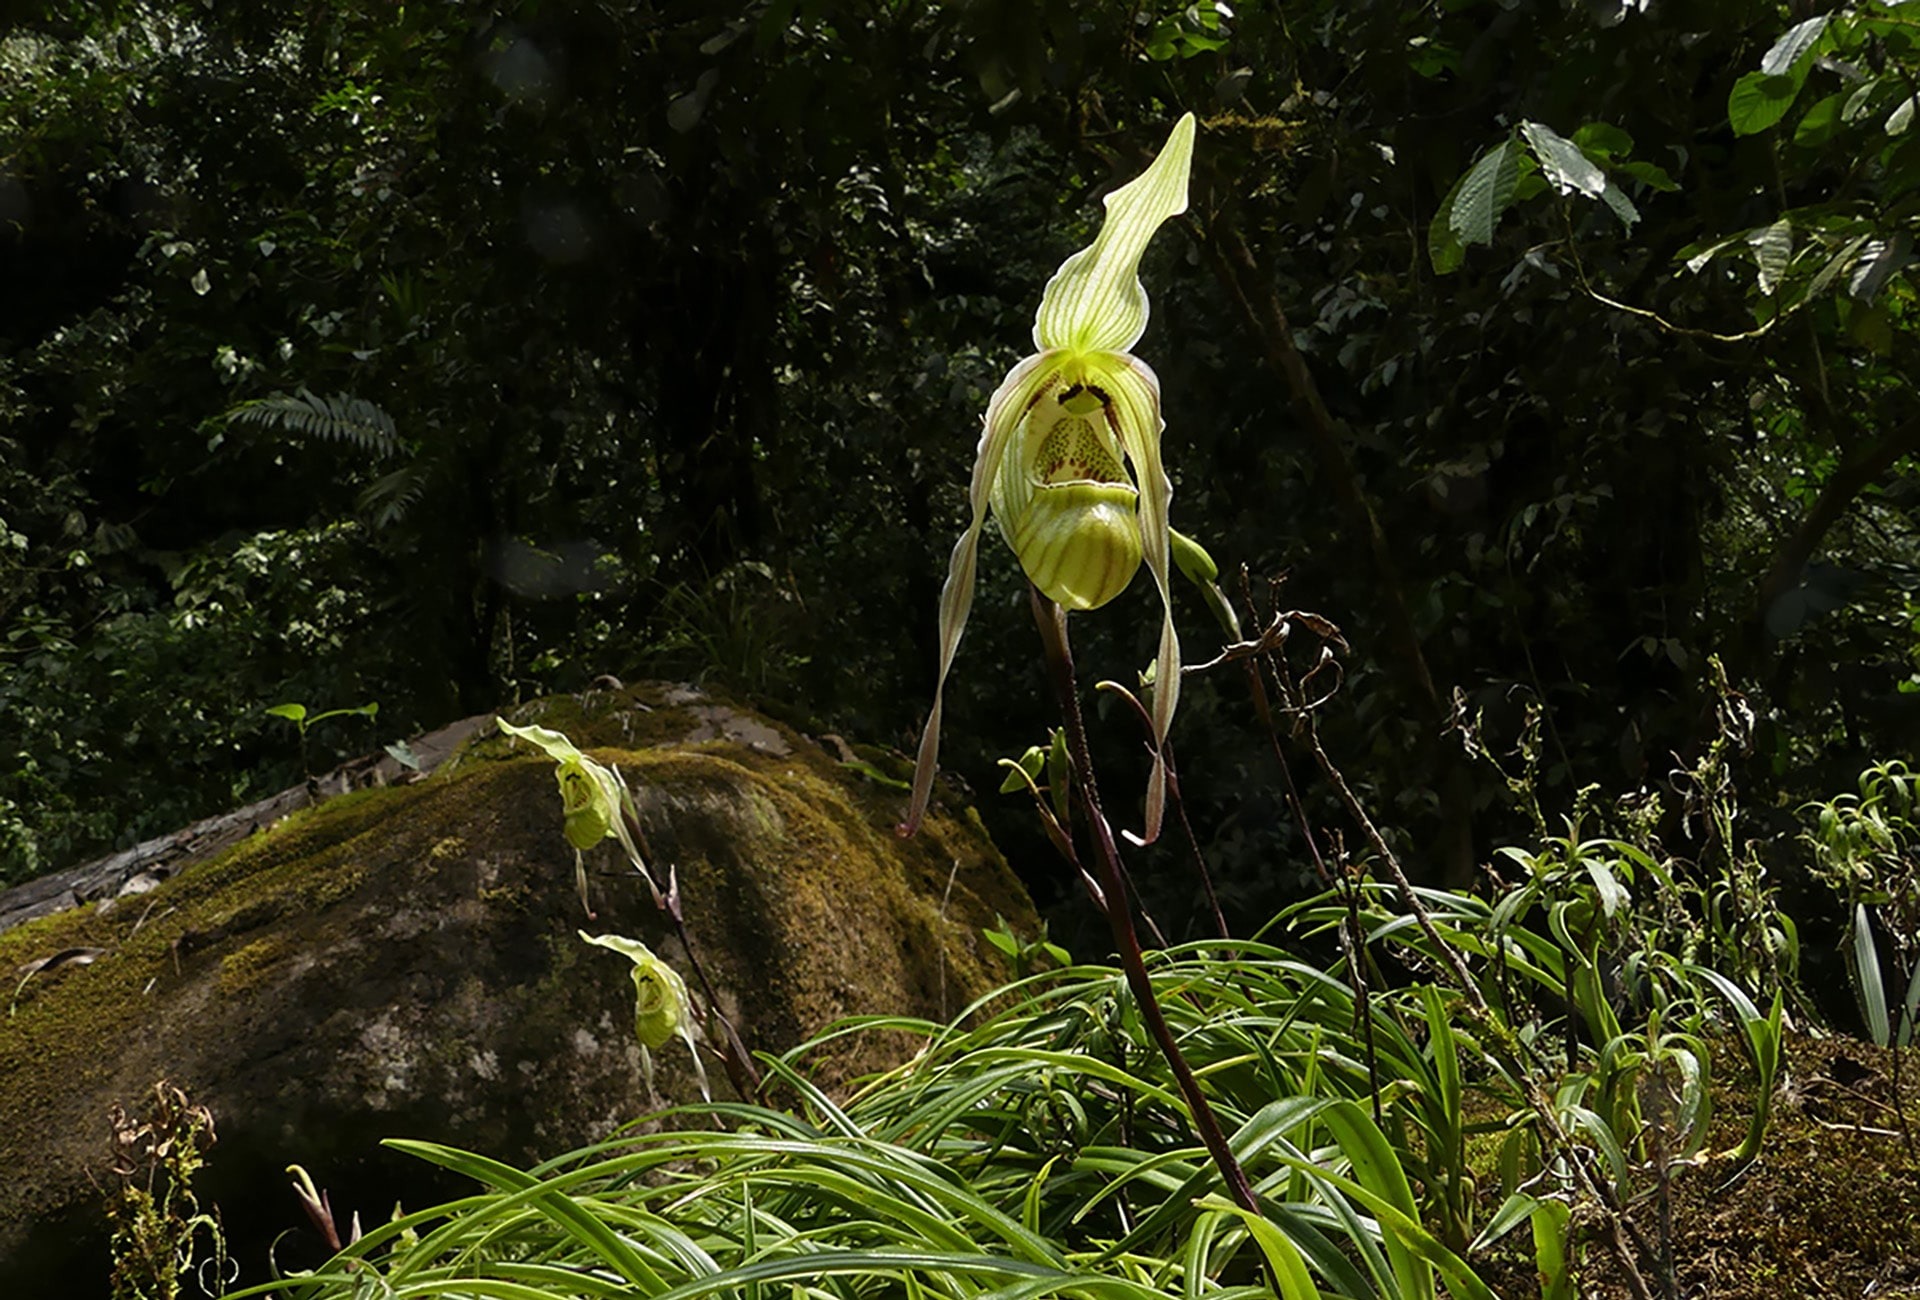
{"x": 1867, "y": 850}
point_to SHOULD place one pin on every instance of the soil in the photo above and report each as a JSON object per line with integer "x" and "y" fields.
{"x": 1831, "y": 1207}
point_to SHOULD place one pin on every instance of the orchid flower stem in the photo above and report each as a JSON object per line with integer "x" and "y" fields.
{"x": 1052, "y": 620}
{"x": 1350, "y": 943}
{"x": 741, "y": 1071}
{"x": 1179, "y": 805}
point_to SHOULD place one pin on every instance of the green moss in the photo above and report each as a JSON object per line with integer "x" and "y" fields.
{"x": 798, "y": 855}
{"x": 240, "y": 969}
{"x": 299, "y": 867}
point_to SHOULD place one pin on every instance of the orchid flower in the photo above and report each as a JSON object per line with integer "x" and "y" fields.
{"x": 1051, "y": 453}
{"x": 661, "y": 1008}
{"x": 592, "y": 800}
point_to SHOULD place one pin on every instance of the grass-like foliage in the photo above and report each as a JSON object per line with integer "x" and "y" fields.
{"x": 1037, "y": 1146}
{"x": 1040, "y": 1144}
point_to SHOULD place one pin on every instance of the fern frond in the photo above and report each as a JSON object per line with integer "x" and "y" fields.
{"x": 340, "y": 418}
{"x": 387, "y": 499}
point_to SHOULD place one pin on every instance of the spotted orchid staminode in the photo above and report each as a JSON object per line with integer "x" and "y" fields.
{"x": 1069, "y": 458}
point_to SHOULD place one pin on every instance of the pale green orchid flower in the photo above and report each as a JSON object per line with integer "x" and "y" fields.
{"x": 592, "y": 799}
{"x": 661, "y": 1009}
{"x": 1050, "y": 460}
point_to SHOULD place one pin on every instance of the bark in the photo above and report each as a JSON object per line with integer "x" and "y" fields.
{"x": 1857, "y": 472}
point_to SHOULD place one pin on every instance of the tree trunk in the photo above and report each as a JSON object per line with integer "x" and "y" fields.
{"x": 1234, "y": 266}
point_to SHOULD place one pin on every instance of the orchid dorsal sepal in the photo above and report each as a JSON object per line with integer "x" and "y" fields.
{"x": 1095, "y": 302}
{"x": 1069, "y": 452}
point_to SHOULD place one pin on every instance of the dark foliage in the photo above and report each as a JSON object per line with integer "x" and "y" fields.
{"x": 443, "y": 355}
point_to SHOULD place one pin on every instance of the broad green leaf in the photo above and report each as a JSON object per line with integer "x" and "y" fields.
{"x": 1819, "y": 123}
{"x": 1444, "y": 249}
{"x": 1835, "y": 265}
{"x": 1567, "y": 169}
{"x": 1879, "y": 261}
{"x": 1696, "y": 256}
{"x": 1603, "y": 140}
{"x": 1760, "y": 99}
{"x": 291, "y": 712}
{"x": 1871, "y": 328}
{"x": 1615, "y": 198}
{"x": 1484, "y": 194}
{"x": 1550, "y": 1220}
{"x": 1649, "y": 174}
{"x": 1604, "y": 1140}
{"x": 1613, "y": 895}
{"x": 1864, "y": 100}
{"x": 1772, "y": 252}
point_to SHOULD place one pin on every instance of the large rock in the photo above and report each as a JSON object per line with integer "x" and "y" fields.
{"x": 404, "y": 962}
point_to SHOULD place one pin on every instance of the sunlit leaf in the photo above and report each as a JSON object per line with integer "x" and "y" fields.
{"x": 1567, "y": 169}
{"x": 1485, "y": 194}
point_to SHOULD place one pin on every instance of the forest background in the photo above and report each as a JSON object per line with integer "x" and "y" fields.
{"x": 442, "y": 356}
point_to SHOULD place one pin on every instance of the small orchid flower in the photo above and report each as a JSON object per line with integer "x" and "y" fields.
{"x": 661, "y": 1009}
{"x": 1069, "y": 456}
{"x": 593, "y": 800}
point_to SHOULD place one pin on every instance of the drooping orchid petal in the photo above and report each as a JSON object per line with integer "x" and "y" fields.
{"x": 1016, "y": 393}
{"x": 1069, "y": 453}
{"x": 1135, "y": 393}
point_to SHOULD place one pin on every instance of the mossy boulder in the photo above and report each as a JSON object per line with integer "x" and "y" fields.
{"x": 405, "y": 962}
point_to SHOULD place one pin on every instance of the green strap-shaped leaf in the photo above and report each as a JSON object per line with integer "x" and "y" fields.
{"x": 1283, "y": 1257}
{"x": 1378, "y": 1171}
